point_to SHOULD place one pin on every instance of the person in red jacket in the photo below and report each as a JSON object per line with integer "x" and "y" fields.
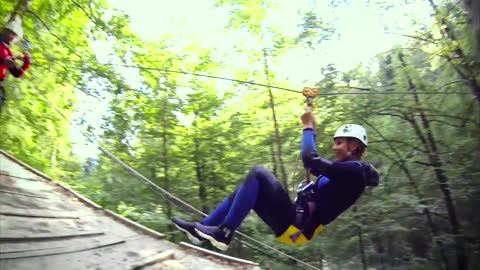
{"x": 9, "y": 34}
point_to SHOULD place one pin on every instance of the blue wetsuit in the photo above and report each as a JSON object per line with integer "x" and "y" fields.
{"x": 337, "y": 188}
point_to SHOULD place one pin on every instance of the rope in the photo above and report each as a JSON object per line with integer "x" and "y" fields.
{"x": 167, "y": 195}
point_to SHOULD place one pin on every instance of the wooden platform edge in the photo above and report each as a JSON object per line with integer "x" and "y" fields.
{"x": 83, "y": 199}
{"x": 61, "y": 250}
{"x": 38, "y": 214}
{"x": 26, "y": 166}
{"x": 49, "y": 179}
{"x": 132, "y": 223}
{"x": 219, "y": 255}
{"x": 39, "y": 237}
{"x": 157, "y": 258}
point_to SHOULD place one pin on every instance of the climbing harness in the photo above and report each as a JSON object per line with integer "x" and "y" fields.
{"x": 304, "y": 202}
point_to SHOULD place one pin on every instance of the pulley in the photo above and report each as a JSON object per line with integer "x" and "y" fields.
{"x": 310, "y": 93}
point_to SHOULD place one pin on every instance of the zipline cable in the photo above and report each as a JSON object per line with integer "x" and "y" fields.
{"x": 366, "y": 91}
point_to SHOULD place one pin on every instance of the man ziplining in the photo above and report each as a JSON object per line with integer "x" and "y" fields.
{"x": 338, "y": 185}
{"x": 9, "y": 35}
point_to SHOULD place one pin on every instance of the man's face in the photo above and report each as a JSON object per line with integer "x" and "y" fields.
{"x": 10, "y": 35}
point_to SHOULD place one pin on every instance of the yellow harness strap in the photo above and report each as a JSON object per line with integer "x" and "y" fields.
{"x": 286, "y": 237}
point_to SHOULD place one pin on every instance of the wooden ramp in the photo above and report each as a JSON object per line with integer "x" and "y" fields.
{"x": 45, "y": 225}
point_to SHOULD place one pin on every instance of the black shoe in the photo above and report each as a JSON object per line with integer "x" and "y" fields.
{"x": 219, "y": 237}
{"x": 189, "y": 229}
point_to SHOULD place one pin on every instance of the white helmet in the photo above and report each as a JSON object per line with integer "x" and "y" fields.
{"x": 352, "y": 131}
{"x": 15, "y": 26}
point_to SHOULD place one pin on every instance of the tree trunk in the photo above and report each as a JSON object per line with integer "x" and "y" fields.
{"x": 20, "y": 9}
{"x": 430, "y": 145}
{"x": 380, "y": 249}
{"x": 278, "y": 154}
{"x": 466, "y": 69}
{"x": 473, "y": 9}
{"x": 165, "y": 153}
{"x": 274, "y": 157}
{"x": 202, "y": 191}
{"x": 361, "y": 248}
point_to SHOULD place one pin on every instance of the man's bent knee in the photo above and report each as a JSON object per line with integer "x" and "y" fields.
{"x": 260, "y": 173}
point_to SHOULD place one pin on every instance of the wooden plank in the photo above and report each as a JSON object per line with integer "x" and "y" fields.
{"x": 22, "y": 185}
{"x": 42, "y": 236}
{"x": 86, "y": 201}
{"x": 37, "y": 214}
{"x": 61, "y": 250}
{"x": 26, "y": 166}
{"x": 219, "y": 255}
{"x": 46, "y": 177}
{"x": 26, "y": 226}
{"x": 40, "y": 193}
{"x": 57, "y": 243}
{"x": 120, "y": 257}
{"x": 7, "y": 174}
{"x": 157, "y": 258}
{"x": 27, "y": 194}
{"x": 23, "y": 246}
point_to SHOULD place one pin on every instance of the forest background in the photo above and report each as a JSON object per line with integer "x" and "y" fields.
{"x": 192, "y": 94}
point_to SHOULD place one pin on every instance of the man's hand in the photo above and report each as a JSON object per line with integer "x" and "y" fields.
{"x": 26, "y": 56}
{"x": 308, "y": 119}
{"x": 10, "y": 62}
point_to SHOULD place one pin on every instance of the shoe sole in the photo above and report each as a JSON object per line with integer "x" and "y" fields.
{"x": 192, "y": 238}
{"x": 215, "y": 243}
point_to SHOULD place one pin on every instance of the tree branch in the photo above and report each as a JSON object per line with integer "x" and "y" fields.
{"x": 423, "y": 163}
{"x": 433, "y": 41}
{"x": 399, "y": 142}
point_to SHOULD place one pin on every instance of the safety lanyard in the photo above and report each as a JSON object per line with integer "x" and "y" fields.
{"x": 310, "y": 93}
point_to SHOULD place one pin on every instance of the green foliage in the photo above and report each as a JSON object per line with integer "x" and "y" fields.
{"x": 196, "y": 137}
